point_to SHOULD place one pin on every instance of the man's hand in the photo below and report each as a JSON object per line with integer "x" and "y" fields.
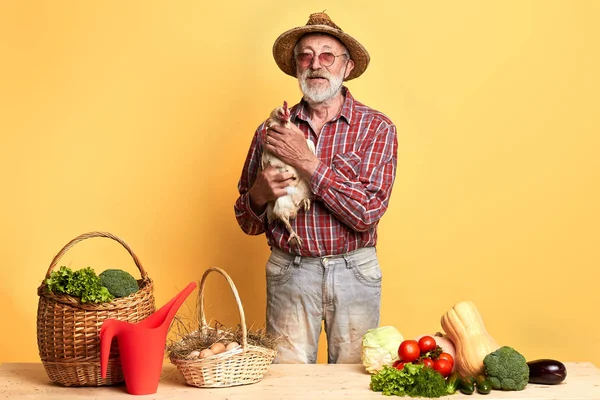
{"x": 289, "y": 144}
{"x": 270, "y": 184}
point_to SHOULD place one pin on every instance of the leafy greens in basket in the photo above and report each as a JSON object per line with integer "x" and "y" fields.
{"x": 82, "y": 283}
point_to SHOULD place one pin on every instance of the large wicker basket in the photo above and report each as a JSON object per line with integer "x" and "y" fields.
{"x": 68, "y": 331}
{"x": 243, "y": 365}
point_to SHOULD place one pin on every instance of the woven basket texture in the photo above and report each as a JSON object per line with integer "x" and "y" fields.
{"x": 243, "y": 365}
{"x": 68, "y": 331}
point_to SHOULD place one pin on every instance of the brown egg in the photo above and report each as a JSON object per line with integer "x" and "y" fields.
{"x": 218, "y": 348}
{"x": 206, "y": 353}
{"x": 231, "y": 345}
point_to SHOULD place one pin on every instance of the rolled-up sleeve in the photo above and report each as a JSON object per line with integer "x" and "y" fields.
{"x": 247, "y": 219}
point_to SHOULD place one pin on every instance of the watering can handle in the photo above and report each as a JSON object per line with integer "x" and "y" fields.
{"x": 237, "y": 299}
{"x": 107, "y": 332}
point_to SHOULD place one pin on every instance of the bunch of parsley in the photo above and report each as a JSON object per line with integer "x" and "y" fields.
{"x": 413, "y": 380}
{"x": 83, "y": 283}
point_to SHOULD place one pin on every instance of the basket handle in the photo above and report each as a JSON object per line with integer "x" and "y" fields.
{"x": 237, "y": 299}
{"x": 94, "y": 235}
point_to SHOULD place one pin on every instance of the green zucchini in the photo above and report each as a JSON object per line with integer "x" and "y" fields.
{"x": 483, "y": 384}
{"x": 467, "y": 385}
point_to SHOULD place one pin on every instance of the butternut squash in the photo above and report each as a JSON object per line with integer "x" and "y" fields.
{"x": 464, "y": 326}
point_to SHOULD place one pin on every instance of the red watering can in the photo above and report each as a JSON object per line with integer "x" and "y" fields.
{"x": 141, "y": 345}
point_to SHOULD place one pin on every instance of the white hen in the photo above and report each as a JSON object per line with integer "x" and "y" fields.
{"x": 286, "y": 207}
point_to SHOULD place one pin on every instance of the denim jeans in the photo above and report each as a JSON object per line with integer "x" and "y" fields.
{"x": 343, "y": 291}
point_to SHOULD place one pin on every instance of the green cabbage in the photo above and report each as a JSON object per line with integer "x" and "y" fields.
{"x": 380, "y": 347}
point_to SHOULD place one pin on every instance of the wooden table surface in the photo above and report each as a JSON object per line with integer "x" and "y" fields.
{"x": 315, "y": 382}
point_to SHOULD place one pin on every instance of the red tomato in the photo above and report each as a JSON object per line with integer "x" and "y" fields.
{"x": 427, "y": 362}
{"x": 396, "y": 363}
{"x": 409, "y": 350}
{"x": 444, "y": 367}
{"x": 427, "y": 343}
{"x": 446, "y": 356}
{"x": 399, "y": 366}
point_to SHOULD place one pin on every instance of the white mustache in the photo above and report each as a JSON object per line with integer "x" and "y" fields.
{"x": 323, "y": 75}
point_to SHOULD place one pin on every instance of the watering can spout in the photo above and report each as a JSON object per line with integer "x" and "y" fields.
{"x": 141, "y": 345}
{"x": 163, "y": 317}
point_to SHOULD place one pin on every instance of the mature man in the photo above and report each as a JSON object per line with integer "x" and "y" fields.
{"x": 334, "y": 277}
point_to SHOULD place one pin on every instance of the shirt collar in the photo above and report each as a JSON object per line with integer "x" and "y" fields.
{"x": 301, "y": 112}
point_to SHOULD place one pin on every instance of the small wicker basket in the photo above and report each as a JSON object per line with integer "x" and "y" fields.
{"x": 68, "y": 331}
{"x": 243, "y": 365}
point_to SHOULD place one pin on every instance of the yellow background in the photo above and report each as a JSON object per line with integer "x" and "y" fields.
{"x": 134, "y": 117}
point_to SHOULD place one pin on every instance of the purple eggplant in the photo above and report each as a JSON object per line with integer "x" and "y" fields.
{"x": 546, "y": 371}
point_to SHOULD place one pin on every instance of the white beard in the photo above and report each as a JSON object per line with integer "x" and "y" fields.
{"x": 318, "y": 94}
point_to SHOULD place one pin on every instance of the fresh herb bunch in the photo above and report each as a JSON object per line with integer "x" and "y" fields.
{"x": 413, "y": 380}
{"x": 83, "y": 283}
{"x": 428, "y": 383}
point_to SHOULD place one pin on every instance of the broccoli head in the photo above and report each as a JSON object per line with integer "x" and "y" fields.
{"x": 506, "y": 369}
{"x": 118, "y": 282}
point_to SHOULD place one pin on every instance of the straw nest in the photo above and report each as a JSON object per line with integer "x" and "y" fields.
{"x": 189, "y": 342}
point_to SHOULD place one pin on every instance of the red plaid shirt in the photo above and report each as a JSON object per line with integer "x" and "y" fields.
{"x": 351, "y": 186}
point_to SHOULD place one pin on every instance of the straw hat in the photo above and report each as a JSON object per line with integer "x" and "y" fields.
{"x": 283, "y": 49}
